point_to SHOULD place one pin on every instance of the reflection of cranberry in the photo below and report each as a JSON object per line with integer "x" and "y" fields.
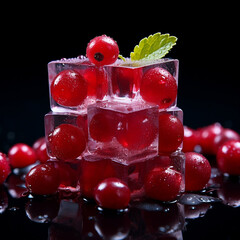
{"x": 166, "y": 218}
{"x": 112, "y": 225}
{"x": 16, "y": 186}
{"x": 42, "y": 210}
{"x": 3, "y": 200}
{"x": 229, "y": 191}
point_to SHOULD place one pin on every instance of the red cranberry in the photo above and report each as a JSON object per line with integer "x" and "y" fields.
{"x": 21, "y": 155}
{"x": 136, "y": 131}
{"x": 197, "y": 171}
{"x": 69, "y": 88}
{"x": 159, "y": 86}
{"x": 102, "y": 50}
{"x": 112, "y": 193}
{"x": 4, "y": 168}
{"x": 67, "y": 142}
{"x": 43, "y": 179}
{"x": 163, "y": 184}
{"x": 94, "y": 172}
{"x": 228, "y": 157}
{"x": 207, "y": 136}
{"x": 97, "y": 82}
{"x": 190, "y": 139}
{"x": 40, "y": 148}
{"x": 171, "y": 133}
{"x": 102, "y": 127}
{"x": 224, "y": 136}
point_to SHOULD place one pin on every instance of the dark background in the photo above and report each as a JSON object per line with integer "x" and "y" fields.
{"x": 207, "y": 48}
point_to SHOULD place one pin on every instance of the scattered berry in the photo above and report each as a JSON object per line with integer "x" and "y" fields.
{"x": 102, "y": 50}
{"x": 225, "y": 135}
{"x": 66, "y": 142}
{"x": 69, "y": 88}
{"x": 43, "y": 179}
{"x": 159, "y": 86}
{"x": 4, "y": 168}
{"x": 190, "y": 139}
{"x": 40, "y": 148}
{"x": 171, "y": 133}
{"x": 163, "y": 184}
{"x": 21, "y": 155}
{"x": 228, "y": 157}
{"x": 197, "y": 171}
{"x": 206, "y": 137}
{"x": 112, "y": 193}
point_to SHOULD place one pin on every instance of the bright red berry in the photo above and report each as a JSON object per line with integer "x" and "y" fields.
{"x": 163, "y": 184}
{"x": 190, "y": 139}
{"x": 40, "y": 148}
{"x": 225, "y": 135}
{"x": 136, "y": 131}
{"x": 171, "y": 133}
{"x": 159, "y": 86}
{"x": 69, "y": 88}
{"x": 206, "y": 137}
{"x": 112, "y": 193}
{"x": 94, "y": 172}
{"x": 43, "y": 179}
{"x": 21, "y": 155}
{"x": 197, "y": 171}
{"x": 4, "y": 168}
{"x": 97, "y": 82}
{"x": 66, "y": 142}
{"x": 228, "y": 157}
{"x": 102, "y": 127}
{"x": 102, "y": 50}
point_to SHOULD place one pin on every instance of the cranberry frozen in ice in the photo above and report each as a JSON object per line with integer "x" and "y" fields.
{"x": 69, "y": 88}
{"x": 102, "y": 50}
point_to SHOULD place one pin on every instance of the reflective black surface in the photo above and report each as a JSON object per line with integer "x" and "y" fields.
{"x": 210, "y": 214}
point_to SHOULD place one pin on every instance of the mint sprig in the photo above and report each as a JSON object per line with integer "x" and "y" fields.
{"x": 154, "y": 47}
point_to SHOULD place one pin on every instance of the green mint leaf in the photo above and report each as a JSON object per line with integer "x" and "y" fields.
{"x": 154, "y": 47}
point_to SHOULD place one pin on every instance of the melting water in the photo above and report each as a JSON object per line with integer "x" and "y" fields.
{"x": 196, "y": 199}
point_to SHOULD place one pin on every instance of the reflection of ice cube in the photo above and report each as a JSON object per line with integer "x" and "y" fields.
{"x": 69, "y": 215}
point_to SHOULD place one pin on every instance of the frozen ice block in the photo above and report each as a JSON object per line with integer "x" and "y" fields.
{"x": 66, "y": 135}
{"x": 74, "y": 84}
{"x": 94, "y": 169}
{"x": 155, "y": 81}
{"x": 125, "y": 131}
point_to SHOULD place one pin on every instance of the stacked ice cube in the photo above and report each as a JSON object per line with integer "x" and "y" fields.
{"x": 119, "y": 120}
